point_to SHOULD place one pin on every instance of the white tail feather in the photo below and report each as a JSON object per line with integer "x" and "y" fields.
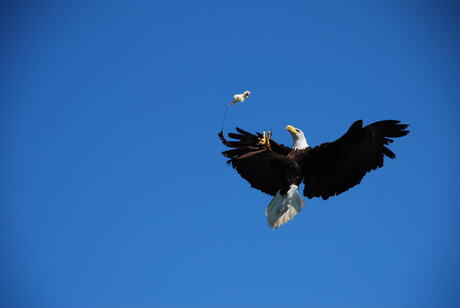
{"x": 283, "y": 208}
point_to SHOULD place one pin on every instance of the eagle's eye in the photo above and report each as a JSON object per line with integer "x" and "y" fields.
{"x": 297, "y": 130}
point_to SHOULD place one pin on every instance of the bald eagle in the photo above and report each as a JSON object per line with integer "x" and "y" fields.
{"x": 326, "y": 170}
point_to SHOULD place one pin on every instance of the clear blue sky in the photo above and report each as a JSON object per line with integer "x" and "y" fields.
{"x": 113, "y": 189}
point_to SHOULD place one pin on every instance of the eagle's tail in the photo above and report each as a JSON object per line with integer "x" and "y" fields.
{"x": 284, "y": 207}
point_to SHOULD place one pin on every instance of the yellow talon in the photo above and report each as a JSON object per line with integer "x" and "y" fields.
{"x": 265, "y": 139}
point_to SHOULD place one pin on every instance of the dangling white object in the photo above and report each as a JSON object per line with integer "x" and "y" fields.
{"x": 239, "y": 98}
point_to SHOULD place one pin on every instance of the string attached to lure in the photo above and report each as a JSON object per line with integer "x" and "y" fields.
{"x": 225, "y": 117}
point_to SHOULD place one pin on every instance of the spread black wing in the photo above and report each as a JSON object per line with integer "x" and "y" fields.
{"x": 266, "y": 169}
{"x": 332, "y": 168}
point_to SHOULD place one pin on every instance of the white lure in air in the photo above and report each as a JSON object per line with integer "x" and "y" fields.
{"x": 239, "y": 98}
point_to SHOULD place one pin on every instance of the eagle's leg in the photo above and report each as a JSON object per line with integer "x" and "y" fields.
{"x": 265, "y": 140}
{"x": 269, "y": 135}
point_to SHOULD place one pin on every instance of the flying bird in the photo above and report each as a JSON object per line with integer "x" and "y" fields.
{"x": 239, "y": 98}
{"x": 326, "y": 170}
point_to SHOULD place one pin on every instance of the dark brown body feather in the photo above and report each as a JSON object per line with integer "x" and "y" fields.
{"x": 326, "y": 170}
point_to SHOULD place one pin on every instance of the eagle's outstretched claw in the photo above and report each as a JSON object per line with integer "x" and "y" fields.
{"x": 265, "y": 139}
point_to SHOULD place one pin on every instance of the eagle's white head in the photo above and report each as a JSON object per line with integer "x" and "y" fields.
{"x": 298, "y": 138}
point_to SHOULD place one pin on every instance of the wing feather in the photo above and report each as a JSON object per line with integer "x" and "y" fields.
{"x": 266, "y": 169}
{"x": 332, "y": 168}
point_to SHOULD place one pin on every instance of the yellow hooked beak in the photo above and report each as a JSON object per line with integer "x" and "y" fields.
{"x": 291, "y": 129}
